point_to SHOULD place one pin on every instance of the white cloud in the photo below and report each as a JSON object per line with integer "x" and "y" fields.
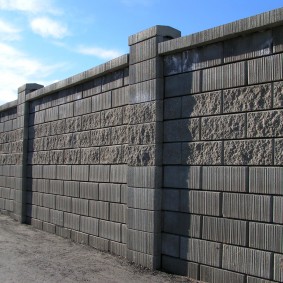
{"x": 99, "y": 52}
{"x": 9, "y": 32}
{"x": 47, "y": 27}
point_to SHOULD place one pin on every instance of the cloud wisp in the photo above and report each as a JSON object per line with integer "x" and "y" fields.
{"x": 9, "y": 32}
{"x": 98, "y": 52}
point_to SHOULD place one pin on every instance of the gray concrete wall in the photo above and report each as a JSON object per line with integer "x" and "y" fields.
{"x": 170, "y": 156}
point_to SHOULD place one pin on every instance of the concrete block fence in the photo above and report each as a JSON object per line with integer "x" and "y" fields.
{"x": 170, "y": 156}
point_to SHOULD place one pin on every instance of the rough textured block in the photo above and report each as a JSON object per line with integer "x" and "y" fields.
{"x": 246, "y": 206}
{"x": 248, "y": 152}
{"x": 200, "y": 251}
{"x": 99, "y": 209}
{"x": 172, "y": 108}
{"x": 99, "y": 173}
{"x": 89, "y": 225}
{"x": 73, "y": 125}
{"x": 80, "y": 172}
{"x": 90, "y": 156}
{"x": 110, "y": 230}
{"x": 101, "y": 101}
{"x": 110, "y": 155}
{"x": 91, "y": 121}
{"x": 224, "y": 178}
{"x": 278, "y": 210}
{"x": 99, "y": 243}
{"x": 101, "y": 137}
{"x": 224, "y": 230}
{"x": 144, "y": 155}
{"x": 109, "y": 192}
{"x": 248, "y": 261}
{"x": 71, "y": 189}
{"x": 278, "y": 270}
{"x": 112, "y": 117}
{"x": 148, "y": 133}
{"x": 89, "y": 190}
{"x": 278, "y": 95}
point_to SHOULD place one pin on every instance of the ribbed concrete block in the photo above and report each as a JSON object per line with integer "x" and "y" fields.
{"x": 89, "y": 225}
{"x": 278, "y": 94}
{"x": 266, "y": 237}
{"x": 266, "y": 180}
{"x": 43, "y": 185}
{"x": 118, "y": 212}
{"x": 143, "y": 198}
{"x": 112, "y": 80}
{"x": 49, "y": 172}
{"x": 143, "y": 220}
{"x": 79, "y": 237}
{"x": 124, "y": 233}
{"x": 258, "y": 280}
{"x": 48, "y": 227}
{"x": 172, "y": 153}
{"x": 223, "y": 127}
{"x": 248, "y": 152}
{"x": 181, "y": 267}
{"x": 118, "y": 173}
{"x": 31, "y": 210}
{"x": 91, "y": 121}
{"x": 99, "y": 209}
{"x": 110, "y": 192}
{"x": 35, "y": 171}
{"x": 56, "y": 217}
{"x": 247, "y": 261}
{"x": 245, "y": 206}
{"x": 71, "y": 189}
{"x": 66, "y": 110}
{"x": 43, "y": 213}
{"x": 49, "y": 201}
{"x": 72, "y": 221}
{"x": 99, "y": 243}
{"x": 182, "y": 84}
{"x": 200, "y": 251}
{"x": 124, "y": 193}
{"x": 148, "y": 261}
{"x": 80, "y": 172}
{"x": 56, "y": 187}
{"x": 99, "y": 173}
{"x": 224, "y": 178}
{"x": 182, "y": 224}
{"x": 80, "y": 206}
{"x": 82, "y": 106}
{"x": 101, "y": 101}
{"x": 52, "y": 114}
{"x": 120, "y": 96}
{"x": 278, "y": 210}
{"x": 170, "y": 245}
{"x": 118, "y": 249}
{"x": 92, "y": 87}
{"x": 36, "y": 223}
{"x": 64, "y": 203}
{"x": 110, "y": 230}
{"x": 265, "y": 69}
{"x": 224, "y": 230}
{"x": 226, "y": 76}
{"x": 172, "y": 108}
{"x": 37, "y": 118}
{"x": 202, "y": 153}
{"x": 172, "y": 64}
{"x": 182, "y": 177}
{"x": 278, "y": 270}
{"x": 215, "y": 275}
{"x": 278, "y": 153}
{"x": 89, "y": 190}
{"x": 37, "y": 198}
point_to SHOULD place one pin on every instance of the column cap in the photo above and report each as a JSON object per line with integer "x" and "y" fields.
{"x": 29, "y": 87}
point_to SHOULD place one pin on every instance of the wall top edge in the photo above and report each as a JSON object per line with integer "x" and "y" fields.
{"x": 8, "y": 105}
{"x": 258, "y": 22}
{"x": 108, "y": 67}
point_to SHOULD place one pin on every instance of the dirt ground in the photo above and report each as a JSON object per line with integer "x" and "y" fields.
{"x": 28, "y": 255}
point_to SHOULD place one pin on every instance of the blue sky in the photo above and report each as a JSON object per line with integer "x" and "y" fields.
{"x": 44, "y": 41}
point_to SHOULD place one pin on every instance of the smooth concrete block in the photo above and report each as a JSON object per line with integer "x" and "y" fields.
{"x": 56, "y": 217}
{"x": 148, "y": 261}
{"x": 223, "y": 127}
{"x": 80, "y": 206}
{"x": 200, "y": 251}
{"x": 110, "y": 154}
{"x": 278, "y": 270}
{"x": 99, "y": 173}
{"x": 118, "y": 212}
{"x": 142, "y": 198}
{"x": 56, "y": 187}
{"x": 71, "y": 189}
{"x": 172, "y": 108}
{"x": 119, "y": 135}
{"x": 48, "y": 227}
{"x": 278, "y": 152}
{"x": 170, "y": 245}
{"x": 224, "y": 178}
{"x": 266, "y": 237}
{"x": 49, "y": 201}
{"x": 80, "y": 172}
{"x": 120, "y": 96}
{"x": 110, "y": 230}
{"x": 49, "y": 172}
{"x": 99, "y": 209}
{"x": 266, "y": 180}
{"x": 43, "y": 213}
{"x": 265, "y": 69}
{"x": 89, "y": 190}
{"x": 227, "y": 76}
{"x": 109, "y": 192}
{"x": 99, "y": 243}
{"x": 181, "y": 267}
{"x": 225, "y": 230}
{"x": 248, "y": 152}
{"x": 66, "y": 110}
{"x": 79, "y": 237}
{"x": 172, "y": 153}
{"x": 215, "y": 275}
{"x": 172, "y": 64}
{"x": 118, "y": 173}
{"x": 202, "y": 153}
{"x": 89, "y": 156}
{"x": 72, "y": 221}
{"x": 278, "y": 210}
{"x": 246, "y": 206}
{"x": 64, "y": 203}
{"x": 118, "y": 249}
{"x": 278, "y": 94}
{"x": 181, "y": 84}
{"x": 89, "y": 225}
{"x": 247, "y": 261}
{"x": 182, "y": 224}
{"x": 91, "y": 121}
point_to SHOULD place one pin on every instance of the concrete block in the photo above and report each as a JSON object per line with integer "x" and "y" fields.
{"x": 170, "y": 245}
{"x": 148, "y": 261}
{"x": 227, "y": 76}
{"x": 223, "y": 127}
{"x": 66, "y": 110}
{"x": 118, "y": 173}
{"x": 278, "y": 270}
{"x": 202, "y": 153}
{"x": 112, "y": 80}
{"x": 278, "y": 152}
{"x": 71, "y": 189}
{"x": 266, "y": 180}
{"x": 149, "y": 133}
{"x": 99, "y": 209}
{"x": 84, "y": 139}
{"x": 43, "y": 213}
{"x": 72, "y": 156}
{"x": 278, "y": 95}
{"x": 225, "y": 230}
{"x": 109, "y": 192}
{"x": 57, "y": 127}
{"x": 257, "y": 280}
{"x": 101, "y": 101}
{"x": 181, "y": 130}
{"x": 265, "y": 69}
{"x": 91, "y": 121}
{"x": 247, "y": 206}
{"x": 56, "y": 217}
{"x": 110, "y": 154}
{"x": 119, "y": 135}
{"x": 43, "y": 185}
{"x": 56, "y": 187}
{"x": 118, "y": 249}
{"x": 124, "y": 233}
{"x": 182, "y": 84}
{"x": 89, "y": 190}
{"x": 37, "y": 198}
{"x": 110, "y": 230}
{"x": 120, "y": 96}
{"x": 72, "y": 221}
{"x": 48, "y": 201}
{"x": 101, "y": 137}
{"x": 82, "y": 106}
{"x": 51, "y": 114}
{"x": 73, "y": 124}
{"x": 224, "y": 178}
{"x": 49, "y": 172}
{"x": 57, "y": 157}
{"x": 99, "y": 243}
{"x": 172, "y": 64}
{"x": 89, "y": 225}
{"x": 118, "y": 212}
{"x": 266, "y": 237}
{"x": 79, "y": 237}
{"x": 172, "y": 108}
{"x": 142, "y": 198}
{"x": 278, "y": 210}
{"x": 247, "y": 261}
{"x": 36, "y": 223}
{"x": 112, "y": 117}
{"x": 171, "y": 199}
{"x": 172, "y": 153}
{"x": 92, "y": 87}
{"x": 99, "y": 173}
{"x": 181, "y": 267}
{"x": 124, "y": 193}
{"x": 215, "y": 275}
{"x": 48, "y": 227}
{"x": 200, "y": 251}
{"x": 80, "y": 172}
{"x": 63, "y": 232}
{"x": 37, "y": 118}
{"x": 31, "y": 210}
{"x": 248, "y": 152}
{"x": 80, "y": 206}
{"x": 64, "y": 203}
{"x": 90, "y": 156}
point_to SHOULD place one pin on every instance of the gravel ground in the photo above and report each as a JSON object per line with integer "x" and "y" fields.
{"x": 28, "y": 255}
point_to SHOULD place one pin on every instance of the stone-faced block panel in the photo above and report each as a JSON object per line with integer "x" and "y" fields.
{"x": 90, "y": 155}
{"x": 278, "y": 95}
{"x": 72, "y": 156}
{"x": 110, "y": 154}
{"x": 119, "y": 135}
{"x": 57, "y": 127}
{"x": 91, "y": 121}
{"x": 144, "y": 134}
{"x": 112, "y": 117}
{"x": 144, "y": 155}
{"x": 73, "y": 124}
{"x": 100, "y": 137}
